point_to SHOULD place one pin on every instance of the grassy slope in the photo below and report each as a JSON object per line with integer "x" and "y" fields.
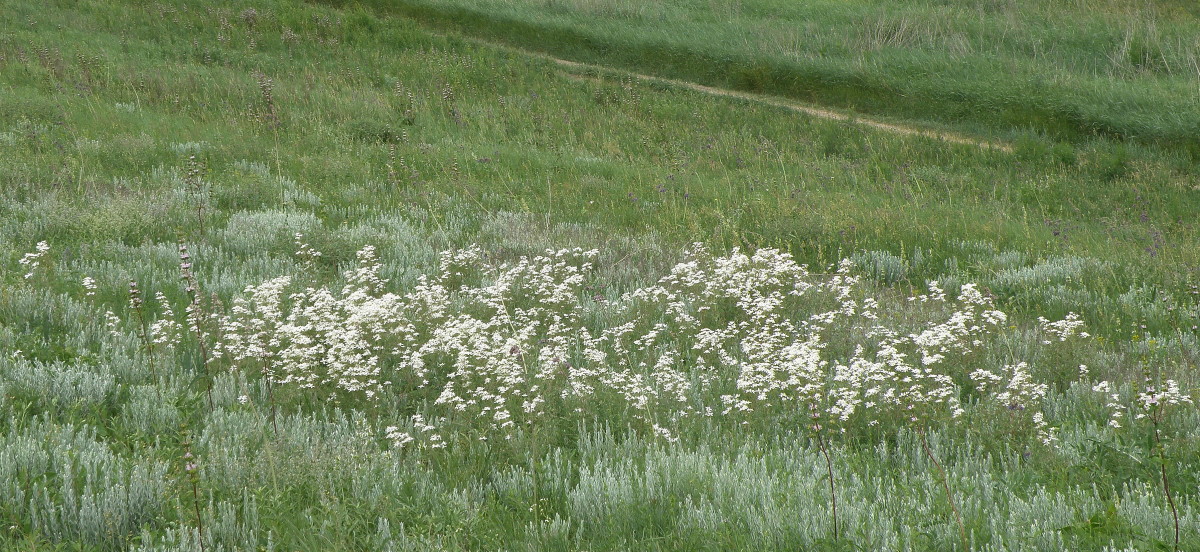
{"x": 376, "y": 132}
{"x": 1068, "y": 69}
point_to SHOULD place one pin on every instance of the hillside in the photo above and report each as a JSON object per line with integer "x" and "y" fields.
{"x": 300, "y": 276}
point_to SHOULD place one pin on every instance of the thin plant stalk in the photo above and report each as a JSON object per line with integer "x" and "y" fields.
{"x": 195, "y": 184}
{"x": 271, "y": 399}
{"x": 199, "y": 519}
{"x": 1156, "y": 413}
{"x": 196, "y": 316}
{"x": 203, "y": 352}
{"x": 135, "y": 301}
{"x": 1162, "y": 466}
{"x": 829, "y": 469}
{"x": 962, "y": 530}
{"x": 192, "y": 469}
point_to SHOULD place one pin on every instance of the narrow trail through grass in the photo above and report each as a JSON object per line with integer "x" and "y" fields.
{"x": 1113, "y": 71}
{"x": 577, "y": 69}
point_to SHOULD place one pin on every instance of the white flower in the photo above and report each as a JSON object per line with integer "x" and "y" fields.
{"x": 31, "y": 261}
{"x": 1063, "y": 329}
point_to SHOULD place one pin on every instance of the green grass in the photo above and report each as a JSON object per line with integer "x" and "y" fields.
{"x": 1070, "y": 69}
{"x": 359, "y": 127}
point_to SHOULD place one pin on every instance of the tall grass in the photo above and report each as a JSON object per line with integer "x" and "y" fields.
{"x": 237, "y": 127}
{"x": 1072, "y": 70}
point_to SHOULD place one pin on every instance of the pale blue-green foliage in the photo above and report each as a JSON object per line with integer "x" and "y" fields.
{"x": 288, "y": 192}
{"x": 780, "y": 500}
{"x": 1142, "y": 506}
{"x": 71, "y": 320}
{"x": 60, "y": 385}
{"x": 225, "y": 277}
{"x": 408, "y": 250}
{"x": 881, "y": 265}
{"x": 1049, "y": 271}
{"x": 249, "y": 233}
{"x": 230, "y": 526}
{"x": 230, "y": 447}
{"x": 73, "y": 487}
{"x": 149, "y": 410}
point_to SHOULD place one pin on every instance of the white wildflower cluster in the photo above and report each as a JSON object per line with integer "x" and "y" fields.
{"x": 1014, "y": 389}
{"x": 1114, "y": 403}
{"x": 305, "y": 252}
{"x": 113, "y": 323}
{"x": 1159, "y": 396}
{"x": 1069, "y": 326}
{"x": 515, "y": 340}
{"x": 497, "y": 342}
{"x": 419, "y": 433}
{"x": 166, "y": 330}
{"x": 89, "y": 286}
{"x": 1150, "y": 402}
{"x": 496, "y": 346}
{"x": 759, "y": 325}
{"x": 326, "y": 339}
{"x": 31, "y": 261}
{"x": 732, "y": 323}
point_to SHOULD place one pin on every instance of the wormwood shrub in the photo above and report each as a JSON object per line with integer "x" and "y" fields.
{"x": 72, "y": 487}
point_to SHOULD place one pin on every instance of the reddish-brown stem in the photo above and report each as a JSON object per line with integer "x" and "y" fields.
{"x": 144, "y": 334}
{"x": 204, "y": 359}
{"x": 832, "y": 490}
{"x": 199, "y": 520}
{"x": 962, "y": 530}
{"x": 1162, "y": 466}
{"x": 271, "y": 398}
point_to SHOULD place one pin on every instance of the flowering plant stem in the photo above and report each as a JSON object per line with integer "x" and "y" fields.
{"x": 1162, "y": 466}
{"x": 962, "y": 530}
{"x": 271, "y": 399}
{"x": 199, "y": 522}
{"x": 135, "y": 301}
{"x": 829, "y": 469}
{"x": 191, "y": 470}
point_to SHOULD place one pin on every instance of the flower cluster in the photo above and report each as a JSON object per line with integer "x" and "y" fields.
{"x": 1068, "y": 327}
{"x": 1158, "y": 396}
{"x": 305, "y": 252}
{"x": 493, "y": 346}
{"x": 759, "y": 325}
{"x": 1014, "y": 389}
{"x": 31, "y": 261}
{"x": 503, "y": 339}
{"x": 1114, "y": 404}
{"x": 166, "y": 330}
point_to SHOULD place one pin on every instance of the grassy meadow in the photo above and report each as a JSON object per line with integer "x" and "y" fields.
{"x": 1072, "y": 69}
{"x": 306, "y": 276}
